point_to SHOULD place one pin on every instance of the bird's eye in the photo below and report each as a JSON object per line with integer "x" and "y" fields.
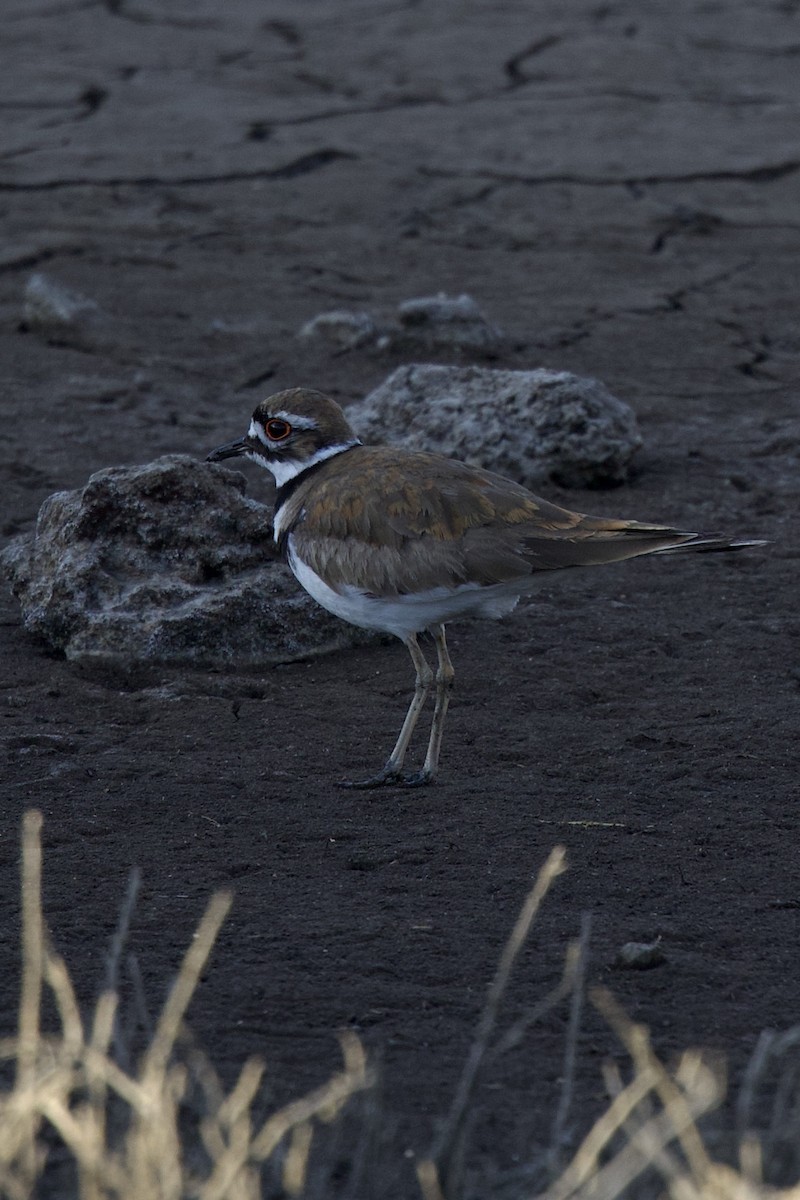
{"x": 277, "y": 430}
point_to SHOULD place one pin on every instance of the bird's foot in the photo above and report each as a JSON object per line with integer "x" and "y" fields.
{"x": 418, "y": 779}
{"x": 391, "y": 776}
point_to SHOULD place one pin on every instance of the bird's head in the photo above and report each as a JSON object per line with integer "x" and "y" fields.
{"x": 290, "y": 432}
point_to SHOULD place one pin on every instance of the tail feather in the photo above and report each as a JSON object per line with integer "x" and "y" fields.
{"x": 594, "y": 541}
{"x": 705, "y": 543}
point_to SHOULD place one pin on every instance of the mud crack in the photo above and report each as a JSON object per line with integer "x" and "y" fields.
{"x": 762, "y": 174}
{"x": 303, "y": 165}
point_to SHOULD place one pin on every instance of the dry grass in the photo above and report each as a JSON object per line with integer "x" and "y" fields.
{"x": 125, "y": 1132}
{"x": 68, "y": 1083}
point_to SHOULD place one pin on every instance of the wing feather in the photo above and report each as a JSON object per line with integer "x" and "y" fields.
{"x": 406, "y": 521}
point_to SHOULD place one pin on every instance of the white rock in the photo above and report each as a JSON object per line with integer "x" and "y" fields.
{"x": 640, "y": 956}
{"x": 428, "y": 323}
{"x": 62, "y": 315}
{"x": 345, "y": 330}
{"x": 529, "y": 425}
{"x": 447, "y": 322}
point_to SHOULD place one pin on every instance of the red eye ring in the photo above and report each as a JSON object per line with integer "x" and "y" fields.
{"x": 276, "y": 429}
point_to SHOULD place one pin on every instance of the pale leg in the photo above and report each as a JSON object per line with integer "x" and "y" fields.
{"x": 444, "y": 686}
{"x": 391, "y": 772}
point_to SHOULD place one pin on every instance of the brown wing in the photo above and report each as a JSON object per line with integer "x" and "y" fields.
{"x": 410, "y": 521}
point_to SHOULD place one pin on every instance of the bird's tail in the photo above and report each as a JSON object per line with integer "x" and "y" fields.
{"x": 560, "y": 538}
{"x": 706, "y": 543}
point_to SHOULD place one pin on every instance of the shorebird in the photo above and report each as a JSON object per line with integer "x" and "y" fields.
{"x": 405, "y": 541}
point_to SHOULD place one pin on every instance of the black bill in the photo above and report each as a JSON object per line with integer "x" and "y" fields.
{"x": 230, "y": 450}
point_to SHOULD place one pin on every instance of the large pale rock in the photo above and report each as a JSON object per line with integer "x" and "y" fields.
{"x": 167, "y": 563}
{"x": 530, "y": 425}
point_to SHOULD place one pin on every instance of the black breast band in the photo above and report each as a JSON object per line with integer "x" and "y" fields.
{"x": 287, "y": 490}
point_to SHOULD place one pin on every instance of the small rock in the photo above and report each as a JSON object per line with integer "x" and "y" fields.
{"x": 533, "y": 426}
{"x": 430, "y": 323}
{"x": 60, "y": 315}
{"x": 344, "y": 330}
{"x": 447, "y": 322}
{"x": 166, "y": 563}
{"x": 640, "y": 956}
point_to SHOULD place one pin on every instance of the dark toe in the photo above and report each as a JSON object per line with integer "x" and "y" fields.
{"x": 389, "y": 777}
{"x": 417, "y": 779}
{"x": 382, "y": 779}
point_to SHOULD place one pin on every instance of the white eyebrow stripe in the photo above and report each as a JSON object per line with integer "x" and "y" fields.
{"x": 295, "y": 421}
{"x": 256, "y": 429}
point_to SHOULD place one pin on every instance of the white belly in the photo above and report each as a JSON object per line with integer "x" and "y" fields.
{"x": 410, "y": 613}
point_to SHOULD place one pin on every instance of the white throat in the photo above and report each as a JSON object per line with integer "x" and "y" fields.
{"x": 284, "y": 471}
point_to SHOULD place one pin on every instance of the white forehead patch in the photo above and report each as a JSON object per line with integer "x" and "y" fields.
{"x": 255, "y": 431}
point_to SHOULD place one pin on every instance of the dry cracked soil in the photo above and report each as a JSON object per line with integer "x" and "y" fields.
{"x": 617, "y": 186}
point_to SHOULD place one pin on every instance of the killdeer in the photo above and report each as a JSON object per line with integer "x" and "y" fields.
{"x": 404, "y": 541}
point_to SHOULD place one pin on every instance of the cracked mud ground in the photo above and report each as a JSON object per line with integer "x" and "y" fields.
{"x": 617, "y": 186}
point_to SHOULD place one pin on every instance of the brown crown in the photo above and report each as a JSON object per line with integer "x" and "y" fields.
{"x": 331, "y": 424}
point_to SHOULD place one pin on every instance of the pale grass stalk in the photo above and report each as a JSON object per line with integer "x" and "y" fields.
{"x": 233, "y": 1174}
{"x": 240, "y": 1180}
{"x": 12, "y": 1188}
{"x": 97, "y": 1087}
{"x": 99, "y": 1042}
{"x": 57, "y": 978}
{"x": 232, "y": 1168}
{"x": 153, "y": 1150}
{"x": 30, "y": 1001}
{"x": 773, "y": 1051}
{"x": 664, "y": 1159}
{"x": 212, "y": 1138}
{"x": 52, "y": 1071}
{"x": 571, "y": 1043}
{"x": 141, "y": 1009}
{"x": 98, "y": 1169}
{"x": 648, "y": 1141}
{"x": 32, "y": 950}
{"x": 611, "y": 1180}
{"x": 637, "y": 1041}
{"x": 128, "y": 1089}
{"x": 211, "y": 1133}
{"x": 19, "y": 1119}
{"x": 231, "y": 1154}
{"x": 428, "y": 1179}
{"x": 169, "y": 1023}
{"x": 241, "y": 1098}
{"x": 751, "y": 1159}
{"x": 516, "y": 1032}
{"x": 296, "y": 1165}
{"x": 120, "y": 937}
{"x": 657, "y": 1111}
{"x": 448, "y": 1151}
{"x": 585, "y": 1161}
{"x": 756, "y": 1068}
{"x": 694, "y": 1090}
{"x": 206, "y": 1077}
{"x": 114, "y": 958}
{"x": 232, "y": 1165}
{"x": 324, "y": 1102}
{"x": 648, "y": 1138}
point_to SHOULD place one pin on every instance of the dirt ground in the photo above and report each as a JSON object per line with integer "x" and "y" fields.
{"x": 617, "y": 186}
